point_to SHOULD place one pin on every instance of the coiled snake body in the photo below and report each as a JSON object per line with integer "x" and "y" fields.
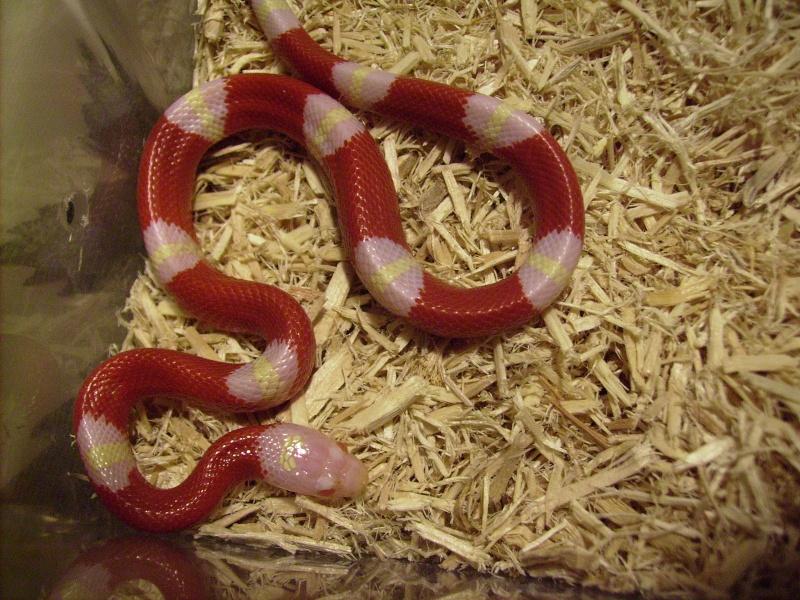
{"x": 290, "y": 456}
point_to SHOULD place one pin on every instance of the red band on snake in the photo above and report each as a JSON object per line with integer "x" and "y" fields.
{"x": 290, "y": 456}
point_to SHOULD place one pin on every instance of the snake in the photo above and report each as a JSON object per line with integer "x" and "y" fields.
{"x": 113, "y": 564}
{"x": 287, "y": 455}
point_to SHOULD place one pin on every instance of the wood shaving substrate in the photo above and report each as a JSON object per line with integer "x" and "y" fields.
{"x": 642, "y": 434}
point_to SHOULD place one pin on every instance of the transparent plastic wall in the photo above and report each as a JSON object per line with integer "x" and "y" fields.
{"x": 82, "y": 83}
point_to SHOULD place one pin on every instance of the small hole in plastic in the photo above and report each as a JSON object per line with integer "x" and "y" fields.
{"x": 70, "y": 212}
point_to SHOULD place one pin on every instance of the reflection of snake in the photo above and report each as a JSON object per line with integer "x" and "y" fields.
{"x": 109, "y": 565}
{"x": 291, "y": 456}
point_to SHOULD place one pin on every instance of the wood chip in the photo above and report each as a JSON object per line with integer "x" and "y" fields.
{"x": 387, "y": 405}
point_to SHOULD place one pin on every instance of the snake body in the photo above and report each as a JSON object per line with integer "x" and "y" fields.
{"x": 290, "y": 456}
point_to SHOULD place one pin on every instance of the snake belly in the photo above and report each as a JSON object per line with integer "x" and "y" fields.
{"x": 293, "y": 457}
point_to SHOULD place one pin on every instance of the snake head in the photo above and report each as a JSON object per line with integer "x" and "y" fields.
{"x": 307, "y": 462}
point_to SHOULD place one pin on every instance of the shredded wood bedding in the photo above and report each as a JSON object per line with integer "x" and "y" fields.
{"x": 644, "y": 433}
